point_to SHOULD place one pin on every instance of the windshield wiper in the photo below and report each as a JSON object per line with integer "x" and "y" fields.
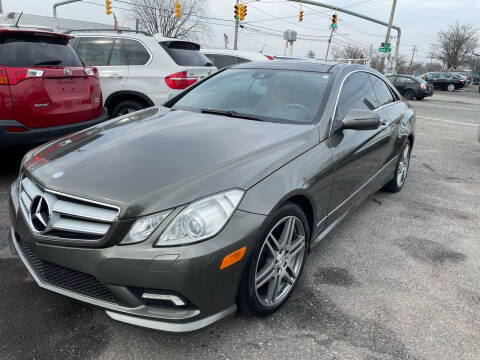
{"x": 50, "y": 62}
{"x": 232, "y": 113}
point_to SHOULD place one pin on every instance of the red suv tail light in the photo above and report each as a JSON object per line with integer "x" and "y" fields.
{"x": 423, "y": 86}
{"x": 180, "y": 81}
{"x": 91, "y": 71}
{"x": 269, "y": 57}
{"x": 15, "y": 75}
{"x": 3, "y": 77}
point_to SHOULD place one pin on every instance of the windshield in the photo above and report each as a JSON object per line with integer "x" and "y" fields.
{"x": 281, "y": 95}
{"x": 420, "y": 80}
{"x": 36, "y": 50}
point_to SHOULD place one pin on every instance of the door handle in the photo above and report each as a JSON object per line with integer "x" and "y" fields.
{"x": 384, "y": 124}
{"x": 115, "y": 76}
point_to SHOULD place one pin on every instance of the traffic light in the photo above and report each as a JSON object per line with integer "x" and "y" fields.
{"x": 178, "y": 9}
{"x": 237, "y": 11}
{"x": 108, "y": 7}
{"x": 243, "y": 12}
{"x": 300, "y": 15}
{"x": 334, "y": 21}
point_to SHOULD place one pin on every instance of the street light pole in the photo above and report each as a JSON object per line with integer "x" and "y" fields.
{"x": 387, "y": 38}
{"x": 1, "y": 10}
{"x": 329, "y": 43}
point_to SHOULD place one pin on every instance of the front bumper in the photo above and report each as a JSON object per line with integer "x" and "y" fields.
{"x": 41, "y": 135}
{"x": 192, "y": 272}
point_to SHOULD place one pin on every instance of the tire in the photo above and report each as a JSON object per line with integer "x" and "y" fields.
{"x": 401, "y": 170}
{"x": 253, "y": 294}
{"x": 126, "y": 107}
{"x": 451, "y": 87}
{"x": 409, "y": 94}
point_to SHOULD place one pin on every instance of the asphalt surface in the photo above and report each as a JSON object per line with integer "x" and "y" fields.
{"x": 398, "y": 279}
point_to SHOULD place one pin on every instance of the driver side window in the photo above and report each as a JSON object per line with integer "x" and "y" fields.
{"x": 357, "y": 93}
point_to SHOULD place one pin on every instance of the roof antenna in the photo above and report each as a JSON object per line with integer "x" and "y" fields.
{"x": 18, "y": 20}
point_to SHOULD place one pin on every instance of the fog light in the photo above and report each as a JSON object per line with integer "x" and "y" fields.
{"x": 164, "y": 297}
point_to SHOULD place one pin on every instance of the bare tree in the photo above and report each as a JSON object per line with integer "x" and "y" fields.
{"x": 348, "y": 52}
{"x": 158, "y": 16}
{"x": 310, "y": 54}
{"x": 455, "y": 44}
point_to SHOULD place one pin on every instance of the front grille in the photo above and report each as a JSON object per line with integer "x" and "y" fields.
{"x": 69, "y": 218}
{"x": 68, "y": 279}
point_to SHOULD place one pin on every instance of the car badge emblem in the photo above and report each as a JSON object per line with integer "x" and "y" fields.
{"x": 40, "y": 214}
{"x": 68, "y": 71}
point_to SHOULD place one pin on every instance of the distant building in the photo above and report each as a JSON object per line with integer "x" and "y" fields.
{"x": 52, "y": 23}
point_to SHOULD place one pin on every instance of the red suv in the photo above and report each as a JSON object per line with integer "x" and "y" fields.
{"x": 45, "y": 90}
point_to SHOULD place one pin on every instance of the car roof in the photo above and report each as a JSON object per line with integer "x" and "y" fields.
{"x": 108, "y": 32}
{"x": 303, "y": 65}
{"x": 32, "y": 31}
{"x": 235, "y": 52}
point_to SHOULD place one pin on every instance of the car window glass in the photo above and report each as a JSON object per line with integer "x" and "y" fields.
{"x": 241, "y": 60}
{"x": 222, "y": 61}
{"x": 382, "y": 91}
{"x": 393, "y": 79}
{"x": 402, "y": 80}
{"x": 118, "y": 57}
{"x": 95, "y": 51}
{"x": 20, "y": 50}
{"x": 357, "y": 93}
{"x": 277, "y": 95}
{"x": 136, "y": 52}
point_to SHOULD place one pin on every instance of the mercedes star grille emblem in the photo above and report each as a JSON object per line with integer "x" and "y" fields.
{"x": 67, "y": 71}
{"x": 40, "y": 214}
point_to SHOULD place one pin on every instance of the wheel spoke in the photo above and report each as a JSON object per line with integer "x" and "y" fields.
{"x": 287, "y": 232}
{"x": 297, "y": 247}
{"x": 290, "y": 277}
{"x": 265, "y": 276}
{"x": 272, "y": 289}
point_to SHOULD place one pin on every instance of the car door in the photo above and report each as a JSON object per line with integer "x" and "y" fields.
{"x": 358, "y": 154}
{"x": 430, "y": 78}
{"x": 107, "y": 55}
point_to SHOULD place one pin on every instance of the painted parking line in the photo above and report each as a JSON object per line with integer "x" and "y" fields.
{"x": 447, "y": 121}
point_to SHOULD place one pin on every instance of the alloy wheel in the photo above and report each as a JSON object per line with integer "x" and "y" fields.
{"x": 126, "y": 111}
{"x": 402, "y": 169}
{"x": 451, "y": 87}
{"x": 280, "y": 261}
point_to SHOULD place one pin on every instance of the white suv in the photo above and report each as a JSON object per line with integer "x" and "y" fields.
{"x": 138, "y": 70}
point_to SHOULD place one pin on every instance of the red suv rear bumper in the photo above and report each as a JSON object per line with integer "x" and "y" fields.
{"x": 38, "y": 136}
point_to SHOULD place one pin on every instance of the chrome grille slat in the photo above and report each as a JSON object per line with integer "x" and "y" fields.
{"x": 84, "y": 211}
{"x": 71, "y": 218}
{"x": 26, "y": 201}
{"x": 79, "y": 226}
{"x": 30, "y": 188}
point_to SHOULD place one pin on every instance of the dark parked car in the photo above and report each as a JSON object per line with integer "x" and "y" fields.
{"x": 45, "y": 90}
{"x": 444, "y": 81}
{"x": 171, "y": 217}
{"x": 466, "y": 79}
{"x": 411, "y": 87}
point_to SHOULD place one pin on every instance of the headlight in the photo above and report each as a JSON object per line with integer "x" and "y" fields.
{"x": 144, "y": 227}
{"x": 201, "y": 219}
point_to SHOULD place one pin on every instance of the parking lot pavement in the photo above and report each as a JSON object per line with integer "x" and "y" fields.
{"x": 399, "y": 279}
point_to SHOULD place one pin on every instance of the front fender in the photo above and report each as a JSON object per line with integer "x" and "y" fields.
{"x": 309, "y": 175}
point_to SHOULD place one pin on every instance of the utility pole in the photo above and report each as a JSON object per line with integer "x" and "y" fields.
{"x": 370, "y": 56}
{"x": 237, "y": 23}
{"x": 329, "y": 42}
{"x": 389, "y": 29}
{"x": 1, "y": 10}
{"x": 411, "y": 61}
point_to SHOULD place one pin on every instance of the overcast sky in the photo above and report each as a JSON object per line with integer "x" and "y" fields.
{"x": 420, "y": 21}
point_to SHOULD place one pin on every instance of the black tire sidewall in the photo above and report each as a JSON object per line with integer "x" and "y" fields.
{"x": 124, "y": 104}
{"x": 409, "y": 92}
{"x": 255, "y": 307}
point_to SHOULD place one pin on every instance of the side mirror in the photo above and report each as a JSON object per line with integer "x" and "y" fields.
{"x": 357, "y": 119}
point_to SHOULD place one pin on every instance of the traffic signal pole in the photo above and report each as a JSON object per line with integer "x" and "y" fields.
{"x": 361, "y": 16}
{"x": 237, "y": 23}
{"x": 329, "y": 43}
{"x": 62, "y": 3}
